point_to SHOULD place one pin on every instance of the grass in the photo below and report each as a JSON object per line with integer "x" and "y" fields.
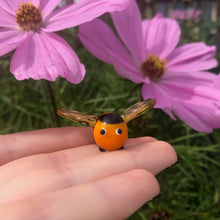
{"x": 191, "y": 189}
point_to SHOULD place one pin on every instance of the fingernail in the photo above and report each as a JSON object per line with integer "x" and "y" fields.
{"x": 175, "y": 163}
{"x": 171, "y": 165}
{"x": 159, "y": 195}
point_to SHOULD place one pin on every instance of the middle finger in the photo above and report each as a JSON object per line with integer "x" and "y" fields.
{"x": 153, "y": 156}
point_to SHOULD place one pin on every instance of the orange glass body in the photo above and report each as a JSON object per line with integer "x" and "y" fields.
{"x": 112, "y": 139}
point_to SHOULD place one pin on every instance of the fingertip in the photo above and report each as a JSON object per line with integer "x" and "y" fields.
{"x": 154, "y": 156}
{"x": 129, "y": 191}
{"x": 148, "y": 184}
{"x": 171, "y": 156}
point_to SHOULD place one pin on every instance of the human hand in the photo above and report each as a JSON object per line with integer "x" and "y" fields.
{"x": 59, "y": 173}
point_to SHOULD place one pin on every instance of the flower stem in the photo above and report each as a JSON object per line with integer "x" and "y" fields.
{"x": 53, "y": 102}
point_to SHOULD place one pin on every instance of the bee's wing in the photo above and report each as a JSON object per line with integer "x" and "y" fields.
{"x": 138, "y": 109}
{"x": 77, "y": 117}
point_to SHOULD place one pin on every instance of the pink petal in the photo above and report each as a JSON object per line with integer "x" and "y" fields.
{"x": 192, "y": 57}
{"x": 128, "y": 26}
{"x": 145, "y": 24}
{"x": 7, "y": 19}
{"x": 200, "y": 118}
{"x": 217, "y": 82}
{"x": 189, "y": 88}
{"x": 100, "y": 40}
{"x": 9, "y": 7}
{"x": 81, "y": 12}
{"x": 154, "y": 90}
{"x": 35, "y": 2}
{"x": 47, "y": 6}
{"x": 189, "y": 78}
{"x": 133, "y": 74}
{"x": 162, "y": 36}
{"x": 46, "y": 56}
{"x": 195, "y": 101}
{"x": 10, "y": 39}
{"x": 8, "y": 10}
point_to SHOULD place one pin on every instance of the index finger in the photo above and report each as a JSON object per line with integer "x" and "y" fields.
{"x": 21, "y": 144}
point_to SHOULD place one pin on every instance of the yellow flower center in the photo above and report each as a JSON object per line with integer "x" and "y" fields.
{"x": 153, "y": 67}
{"x": 28, "y": 17}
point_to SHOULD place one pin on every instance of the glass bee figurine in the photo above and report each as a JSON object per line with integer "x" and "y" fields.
{"x": 110, "y": 129}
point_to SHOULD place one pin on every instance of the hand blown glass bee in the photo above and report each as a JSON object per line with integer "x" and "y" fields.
{"x": 110, "y": 129}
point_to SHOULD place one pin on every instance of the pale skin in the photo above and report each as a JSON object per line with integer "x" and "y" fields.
{"x": 59, "y": 173}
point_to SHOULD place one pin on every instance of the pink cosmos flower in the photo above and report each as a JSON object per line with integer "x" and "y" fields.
{"x": 174, "y": 76}
{"x": 188, "y": 14}
{"x": 28, "y": 26}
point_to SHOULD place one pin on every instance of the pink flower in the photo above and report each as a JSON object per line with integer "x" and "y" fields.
{"x": 174, "y": 76}
{"x": 188, "y": 14}
{"x": 28, "y": 26}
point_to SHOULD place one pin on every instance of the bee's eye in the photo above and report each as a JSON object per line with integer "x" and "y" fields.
{"x": 103, "y": 131}
{"x": 118, "y": 131}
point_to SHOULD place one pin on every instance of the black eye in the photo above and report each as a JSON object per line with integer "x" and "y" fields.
{"x": 118, "y": 131}
{"x": 103, "y": 131}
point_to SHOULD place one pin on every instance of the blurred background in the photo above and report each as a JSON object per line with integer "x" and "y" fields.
{"x": 191, "y": 189}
